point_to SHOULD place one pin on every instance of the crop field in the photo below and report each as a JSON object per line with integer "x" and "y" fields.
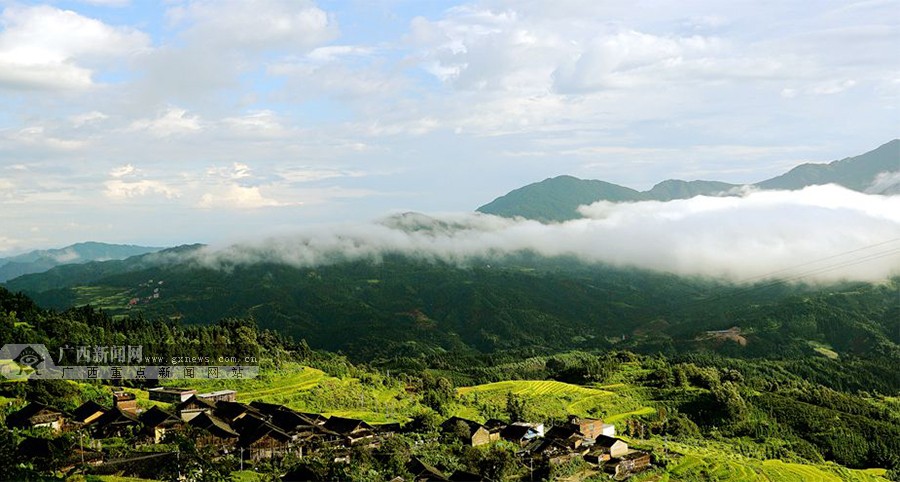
{"x": 269, "y": 386}
{"x": 551, "y": 399}
{"x": 309, "y": 389}
{"x": 712, "y": 463}
{"x": 105, "y": 297}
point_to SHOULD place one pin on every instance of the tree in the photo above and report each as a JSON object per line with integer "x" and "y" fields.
{"x": 516, "y": 408}
{"x": 8, "y": 467}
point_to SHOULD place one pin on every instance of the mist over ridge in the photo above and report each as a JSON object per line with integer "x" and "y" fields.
{"x": 819, "y": 233}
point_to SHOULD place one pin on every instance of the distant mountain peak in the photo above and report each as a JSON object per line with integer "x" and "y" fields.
{"x": 39, "y": 261}
{"x": 556, "y": 199}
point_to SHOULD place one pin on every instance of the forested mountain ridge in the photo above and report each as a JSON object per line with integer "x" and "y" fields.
{"x": 526, "y": 304}
{"x": 700, "y": 413}
{"x": 42, "y": 260}
{"x": 557, "y": 199}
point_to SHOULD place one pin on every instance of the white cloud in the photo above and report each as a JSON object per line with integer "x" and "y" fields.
{"x": 752, "y": 237}
{"x": 119, "y": 189}
{"x": 885, "y": 183}
{"x": 238, "y": 170}
{"x": 173, "y": 122}
{"x": 42, "y": 47}
{"x": 236, "y": 196}
{"x": 309, "y": 174}
{"x": 39, "y": 136}
{"x": 255, "y": 24}
{"x": 122, "y": 171}
{"x": 264, "y": 123}
{"x": 87, "y": 118}
{"x": 7, "y": 189}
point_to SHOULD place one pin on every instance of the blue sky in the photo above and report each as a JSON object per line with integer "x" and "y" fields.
{"x": 184, "y": 121}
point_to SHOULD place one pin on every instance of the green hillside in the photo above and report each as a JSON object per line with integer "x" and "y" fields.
{"x": 42, "y": 260}
{"x": 556, "y": 199}
{"x": 678, "y": 189}
{"x": 708, "y": 413}
{"x": 400, "y": 310}
{"x": 853, "y": 172}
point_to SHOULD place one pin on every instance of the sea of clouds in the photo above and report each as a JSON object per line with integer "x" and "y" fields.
{"x": 820, "y": 233}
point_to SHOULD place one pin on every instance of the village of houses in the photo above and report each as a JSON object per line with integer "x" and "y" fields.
{"x": 259, "y": 431}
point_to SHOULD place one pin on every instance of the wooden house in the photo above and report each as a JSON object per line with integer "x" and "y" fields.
{"x": 87, "y": 413}
{"x": 216, "y": 432}
{"x": 613, "y": 446}
{"x": 471, "y": 433}
{"x": 233, "y": 411}
{"x": 42, "y": 450}
{"x": 566, "y": 436}
{"x": 537, "y": 426}
{"x": 423, "y": 472}
{"x": 354, "y": 431}
{"x": 156, "y": 422}
{"x": 589, "y": 428}
{"x": 518, "y": 434}
{"x": 632, "y": 462}
{"x": 125, "y": 401}
{"x": 463, "y": 476}
{"x": 316, "y": 418}
{"x": 219, "y": 396}
{"x": 494, "y": 426}
{"x": 260, "y": 439}
{"x": 285, "y": 418}
{"x": 170, "y": 394}
{"x": 194, "y": 406}
{"x": 35, "y": 415}
{"x": 116, "y": 423}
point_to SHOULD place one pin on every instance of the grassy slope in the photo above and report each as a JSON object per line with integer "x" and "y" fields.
{"x": 308, "y": 389}
{"x": 714, "y": 462}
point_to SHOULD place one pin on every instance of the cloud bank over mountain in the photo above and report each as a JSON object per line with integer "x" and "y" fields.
{"x": 820, "y": 233}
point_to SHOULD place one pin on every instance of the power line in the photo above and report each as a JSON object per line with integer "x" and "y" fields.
{"x": 839, "y": 255}
{"x": 822, "y": 269}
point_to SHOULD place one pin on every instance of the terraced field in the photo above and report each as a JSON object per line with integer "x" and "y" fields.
{"x": 549, "y": 399}
{"x": 531, "y": 388}
{"x": 308, "y": 389}
{"x": 269, "y": 386}
{"x": 696, "y": 464}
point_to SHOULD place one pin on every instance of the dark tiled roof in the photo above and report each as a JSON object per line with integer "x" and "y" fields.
{"x": 494, "y": 424}
{"x": 86, "y": 410}
{"x": 195, "y": 400}
{"x": 424, "y": 472}
{"x": 233, "y": 410}
{"x": 156, "y": 417}
{"x": 23, "y": 416}
{"x": 346, "y": 426}
{"x": 563, "y": 431}
{"x": 515, "y": 432}
{"x": 606, "y": 441}
{"x": 213, "y": 425}
{"x": 317, "y": 418}
{"x": 252, "y": 432}
{"x": 451, "y": 423}
{"x": 117, "y": 416}
{"x": 36, "y": 448}
{"x": 269, "y": 408}
{"x": 463, "y": 476}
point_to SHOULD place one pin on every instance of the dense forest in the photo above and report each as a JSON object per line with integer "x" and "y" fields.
{"x": 775, "y": 397}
